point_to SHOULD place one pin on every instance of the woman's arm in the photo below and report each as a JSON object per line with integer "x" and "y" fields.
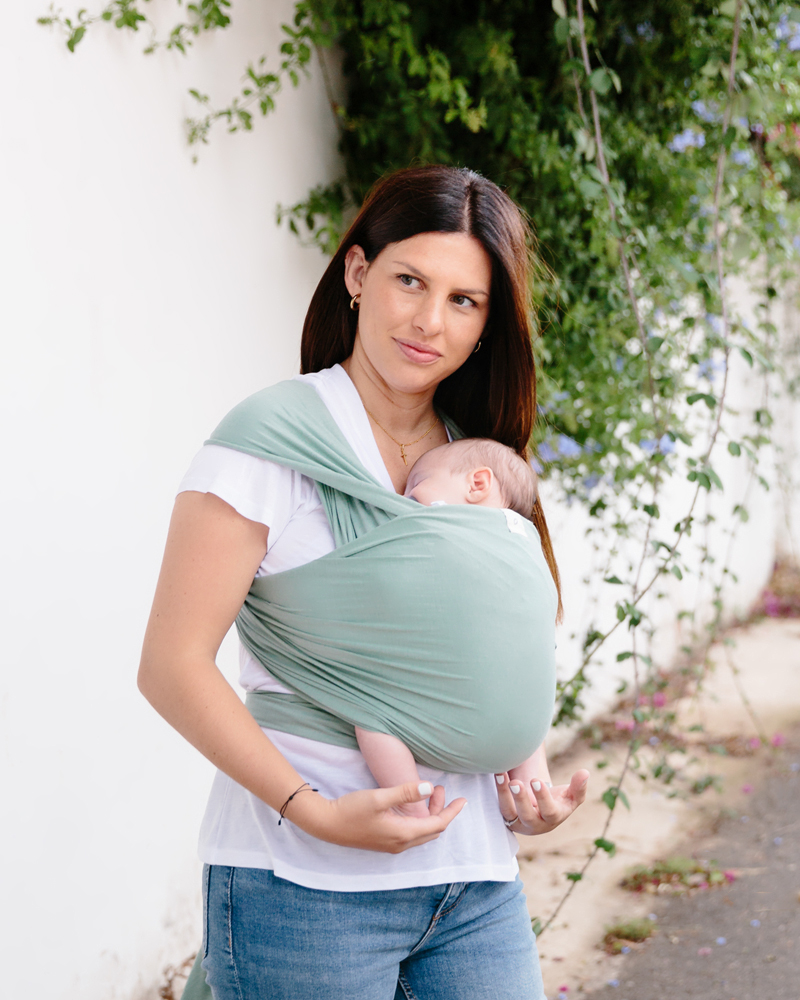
{"x": 538, "y": 809}
{"x": 211, "y": 557}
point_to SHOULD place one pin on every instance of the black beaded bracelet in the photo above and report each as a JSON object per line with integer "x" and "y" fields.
{"x": 305, "y": 787}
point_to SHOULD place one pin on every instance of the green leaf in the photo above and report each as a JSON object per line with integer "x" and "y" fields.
{"x": 612, "y": 579}
{"x": 600, "y": 81}
{"x": 623, "y": 656}
{"x": 748, "y": 357}
{"x": 708, "y": 399}
{"x": 675, "y": 570}
{"x": 75, "y": 37}
{"x": 651, "y": 510}
{"x": 560, "y": 8}
{"x": 574, "y": 876}
{"x": 734, "y": 448}
{"x": 606, "y": 845}
{"x": 609, "y": 797}
{"x": 561, "y": 31}
{"x": 590, "y": 189}
{"x": 536, "y": 926}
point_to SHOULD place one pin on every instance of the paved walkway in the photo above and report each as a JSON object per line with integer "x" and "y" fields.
{"x": 751, "y": 927}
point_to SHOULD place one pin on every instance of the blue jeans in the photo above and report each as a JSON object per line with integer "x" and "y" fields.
{"x": 269, "y": 939}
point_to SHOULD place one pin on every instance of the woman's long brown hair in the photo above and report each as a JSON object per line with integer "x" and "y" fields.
{"x": 493, "y": 394}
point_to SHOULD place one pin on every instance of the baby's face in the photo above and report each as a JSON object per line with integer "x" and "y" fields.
{"x": 432, "y": 479}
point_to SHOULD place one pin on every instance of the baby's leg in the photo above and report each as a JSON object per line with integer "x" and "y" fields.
{"x": 391, "y": 763}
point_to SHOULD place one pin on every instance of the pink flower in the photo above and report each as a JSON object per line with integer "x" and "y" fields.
{"x": 703, "y": 951}
{"x": 625, "y": 724}
{"x": 747, "y": 789}
{"x": 778, "y": 740}
{"x": 772, "y": 604}
{"x": 563, "y": 989}
{"x": 730, "y": 876}
{"x": 754, "y": 743}
{"x": 659, "y": 699}
{"x": 642, "y": 699}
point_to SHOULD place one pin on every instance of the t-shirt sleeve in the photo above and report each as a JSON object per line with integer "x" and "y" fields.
{"x": 256, "y": 488}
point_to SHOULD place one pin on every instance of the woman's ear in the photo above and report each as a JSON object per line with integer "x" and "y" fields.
{"x": 480, "y": 483}
{"x": 356, "y": 266}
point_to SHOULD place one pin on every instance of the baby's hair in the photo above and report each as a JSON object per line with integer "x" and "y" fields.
{"x": 515, "y": 477}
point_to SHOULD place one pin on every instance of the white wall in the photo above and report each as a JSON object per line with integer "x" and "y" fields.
{"x": 141, "y": 297}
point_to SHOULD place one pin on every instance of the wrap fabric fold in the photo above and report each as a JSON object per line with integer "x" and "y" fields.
{"x": 433, "y": 624}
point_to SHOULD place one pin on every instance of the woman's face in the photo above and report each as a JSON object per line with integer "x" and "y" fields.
{"x": 424, "y": 303}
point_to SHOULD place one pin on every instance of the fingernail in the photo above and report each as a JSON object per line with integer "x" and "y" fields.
{"x": 537, "y": 786}
{"x": 514, "y": 789}
{"x": 425, "y": 788}
{"x": 500, "y": 779}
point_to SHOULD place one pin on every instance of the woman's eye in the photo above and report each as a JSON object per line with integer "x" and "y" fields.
{"x": 463, "y": 300}
{"x": 408, "y": 279}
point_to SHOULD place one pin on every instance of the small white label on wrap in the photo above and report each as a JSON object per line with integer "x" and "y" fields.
{"x": 514, "y": 521}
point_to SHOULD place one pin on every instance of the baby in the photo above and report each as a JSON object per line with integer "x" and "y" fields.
{"x": 470, "y": 471}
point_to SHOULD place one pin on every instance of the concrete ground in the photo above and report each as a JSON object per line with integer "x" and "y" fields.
{"x": 740, "y": 942}
{"x": 749, "y": 780}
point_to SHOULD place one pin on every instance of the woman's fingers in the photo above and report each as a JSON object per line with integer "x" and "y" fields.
{"x": 538, "y": 808}
{"x": 526, "y": 807}
{"x": 505, "y": 799}
{"x": 578, "y": 785}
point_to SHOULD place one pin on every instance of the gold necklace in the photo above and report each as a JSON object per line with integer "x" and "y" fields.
{"x": 408, "y": 443}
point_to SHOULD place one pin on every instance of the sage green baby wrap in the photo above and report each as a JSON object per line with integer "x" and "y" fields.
{"x": 433, "y": 624}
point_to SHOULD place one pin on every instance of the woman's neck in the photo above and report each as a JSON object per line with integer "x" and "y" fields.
{"x": 404, "y": 415}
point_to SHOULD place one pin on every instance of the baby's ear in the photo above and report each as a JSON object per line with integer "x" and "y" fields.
{"x": 480, "y": 485}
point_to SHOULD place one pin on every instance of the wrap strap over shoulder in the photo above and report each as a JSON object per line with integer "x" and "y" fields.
{"x": 433, "y": 624}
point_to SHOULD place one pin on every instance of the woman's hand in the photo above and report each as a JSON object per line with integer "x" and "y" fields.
{"x": 532, "y": 807}
{"x": 368, "y": 820}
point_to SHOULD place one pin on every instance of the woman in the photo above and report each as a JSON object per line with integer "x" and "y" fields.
{"x": 422, "y": 311}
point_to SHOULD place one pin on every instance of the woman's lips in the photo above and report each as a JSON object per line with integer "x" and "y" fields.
{"x": 418, "y": 352}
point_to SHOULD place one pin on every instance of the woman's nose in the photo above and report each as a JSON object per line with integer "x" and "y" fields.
{"x": 430, "y": 316}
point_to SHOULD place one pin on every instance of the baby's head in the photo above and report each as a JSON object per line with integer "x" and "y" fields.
{"x": 474, "y": 470}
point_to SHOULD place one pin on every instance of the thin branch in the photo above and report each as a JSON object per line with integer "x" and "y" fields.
{"x": 623, "y": 249}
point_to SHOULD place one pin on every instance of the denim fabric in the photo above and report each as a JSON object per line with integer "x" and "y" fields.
{"x": 269, "y": 939}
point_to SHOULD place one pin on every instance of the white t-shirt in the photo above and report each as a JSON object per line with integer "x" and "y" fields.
{"x": 239, "y": 828}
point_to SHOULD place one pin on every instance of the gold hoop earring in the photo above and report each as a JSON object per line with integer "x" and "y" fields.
{"x": 477, "y": 347}
{"x": 354, "y": 302}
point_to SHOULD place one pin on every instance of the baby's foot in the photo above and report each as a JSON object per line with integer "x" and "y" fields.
{"x": 418, "y": 810}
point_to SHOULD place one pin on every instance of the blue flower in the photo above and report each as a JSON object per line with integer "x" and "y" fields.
{"x": 619, "y": 364}
{"x": 777, "y": 841}
{"x": 645, "y": 31}
{"x": 722, "y": 940}
{"x": 625, "y": 950}
{"x": 742, "y": 157}
{"x": 537, "y": 466}
{"x": 755, "y": 923}
{"x": 686, "y": 140}
{"x": 649, "y": 445}
{"x": 567, "y": 447}
{"x": 654, "y": 741}
{"x": 707, "y": 112}
{"x": 666, "y": 445}
{"x": 590, "y": 482}
{"x": 743, "y": 122}
{"x": 546, "y": 453}
{"x": 716, "y": 323}
{"x": 613, "y": 982}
